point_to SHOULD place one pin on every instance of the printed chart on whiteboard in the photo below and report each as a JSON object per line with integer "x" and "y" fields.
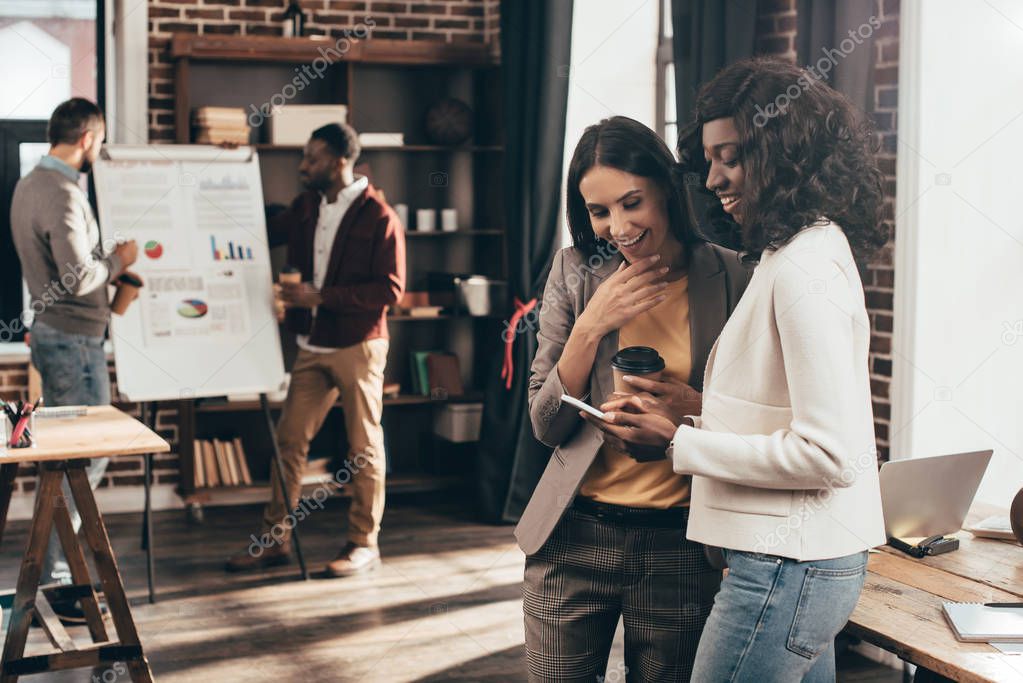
{"x": 203, "y": 324}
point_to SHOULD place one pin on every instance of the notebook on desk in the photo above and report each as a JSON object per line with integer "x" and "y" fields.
{"x": 974, "y": 622}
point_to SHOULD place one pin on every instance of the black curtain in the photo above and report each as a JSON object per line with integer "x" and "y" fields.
{"x": 708, "y": 34}
{"x": 835, "y": 37}
{"x": 535, "y": 54}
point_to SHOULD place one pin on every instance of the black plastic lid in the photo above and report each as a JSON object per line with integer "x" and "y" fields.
{"x": 638, "y": 359}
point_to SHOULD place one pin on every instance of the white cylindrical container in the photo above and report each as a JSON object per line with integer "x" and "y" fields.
{"x": 426, "y": 220}
{"x": 449, "y": 220}
{"x": 402, "y": 211}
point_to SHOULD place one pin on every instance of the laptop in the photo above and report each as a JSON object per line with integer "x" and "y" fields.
{"x": 924, "y": 497}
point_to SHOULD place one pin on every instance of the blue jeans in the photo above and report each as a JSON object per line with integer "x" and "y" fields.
{"x": 775, "y": 619}
{"x": 74, "y": 372}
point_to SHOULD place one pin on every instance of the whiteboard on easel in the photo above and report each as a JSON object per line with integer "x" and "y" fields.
{"x": 203, "y": 324}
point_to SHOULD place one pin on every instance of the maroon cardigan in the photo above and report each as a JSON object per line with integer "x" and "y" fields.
{"x": 365, "y": 272}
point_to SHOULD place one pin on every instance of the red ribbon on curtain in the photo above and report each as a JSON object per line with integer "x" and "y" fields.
{"x": 507, "y": 369}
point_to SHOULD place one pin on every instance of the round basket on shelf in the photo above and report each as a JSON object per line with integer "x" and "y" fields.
{"x": 449, "y": 122}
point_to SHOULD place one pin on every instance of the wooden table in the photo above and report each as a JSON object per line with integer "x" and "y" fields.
{"x": 64, "y": 447}
{"x": 900, "y": 608}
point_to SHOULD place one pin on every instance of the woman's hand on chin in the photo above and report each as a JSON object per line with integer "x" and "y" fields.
{"x": 629, "y": 291}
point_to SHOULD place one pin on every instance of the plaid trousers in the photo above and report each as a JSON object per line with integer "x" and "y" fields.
{"x": 590, "y": 572}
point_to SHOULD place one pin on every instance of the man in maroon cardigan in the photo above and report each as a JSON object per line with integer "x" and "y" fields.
{"x": 350, "y": 248}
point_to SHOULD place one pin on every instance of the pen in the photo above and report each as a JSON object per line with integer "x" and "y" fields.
{"x": 1003, "y": 604}
{"x": 19, "y": 429}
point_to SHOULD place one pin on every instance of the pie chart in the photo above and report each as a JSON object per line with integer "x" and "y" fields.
{"x": 193, "y": 308}
{"x": 153, "y": 249}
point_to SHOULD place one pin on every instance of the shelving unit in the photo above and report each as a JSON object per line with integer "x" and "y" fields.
{"x": 387, "y": 86}
{"x": 264, "y": 146}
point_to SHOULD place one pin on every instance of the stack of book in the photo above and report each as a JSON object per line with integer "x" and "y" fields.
{"x": 217, "y": 125}
{"x": 436, "y": 373}
{"x": 220, "y": 463}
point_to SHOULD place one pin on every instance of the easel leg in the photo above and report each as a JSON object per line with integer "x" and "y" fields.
{"x": 280, "y": 478}
{"x": 8, "y": 473}
{"x": 149, "y": 419}
{"x": 96, "y": 535}
{"x": 32, "y": 567}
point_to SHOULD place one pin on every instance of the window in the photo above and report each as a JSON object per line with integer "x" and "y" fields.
{"x": 53, "y": 42}
{"x": 667, "y": 118}
{"x": 51, "y": 46}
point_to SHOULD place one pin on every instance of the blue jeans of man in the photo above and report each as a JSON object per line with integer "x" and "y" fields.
{"x": 74, "y": 372}
{"x": 775, "y": 619}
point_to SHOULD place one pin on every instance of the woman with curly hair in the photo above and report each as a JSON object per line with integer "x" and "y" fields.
{"x": 782, "y": 455}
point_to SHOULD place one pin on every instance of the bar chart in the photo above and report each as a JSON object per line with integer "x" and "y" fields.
{"x": 233, "y": 252}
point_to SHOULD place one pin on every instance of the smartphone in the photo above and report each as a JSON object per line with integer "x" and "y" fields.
{"x": 586, "y": 407}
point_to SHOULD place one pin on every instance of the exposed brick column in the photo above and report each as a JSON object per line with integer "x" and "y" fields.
{"x": 880, "y": 284}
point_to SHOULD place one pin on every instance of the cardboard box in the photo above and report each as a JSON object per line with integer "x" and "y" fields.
{"x": 459, "y": 422}
{"x": 291, "y": 124}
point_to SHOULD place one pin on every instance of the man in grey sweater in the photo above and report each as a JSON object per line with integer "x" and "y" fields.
{"x": 67, "y": 269}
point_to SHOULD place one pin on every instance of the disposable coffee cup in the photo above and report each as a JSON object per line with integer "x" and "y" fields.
{"x": 637, "y": 361}
{"x": 290, "y": 274}
{"x": 128, "y": 286}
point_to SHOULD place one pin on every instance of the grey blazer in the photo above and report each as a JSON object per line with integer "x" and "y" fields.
{"x": 717, "y": 279}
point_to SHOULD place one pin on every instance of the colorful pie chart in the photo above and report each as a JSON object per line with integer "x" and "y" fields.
{"x": 193, "y": 308}
{"x": 153, "y": 249}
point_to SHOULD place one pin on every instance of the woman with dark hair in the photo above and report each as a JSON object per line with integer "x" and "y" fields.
{"x": 782, "y": 456}
{"x": 636, "y": 275}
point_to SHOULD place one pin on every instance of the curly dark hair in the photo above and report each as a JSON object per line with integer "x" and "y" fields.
{"x": 807, "y": 152}
{"x": 627, "y": 145}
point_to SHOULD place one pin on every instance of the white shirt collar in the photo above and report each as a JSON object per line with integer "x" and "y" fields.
{"x": 348, "y": 193}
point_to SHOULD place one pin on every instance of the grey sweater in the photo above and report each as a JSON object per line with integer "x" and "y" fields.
{"x": 58, "y": 242}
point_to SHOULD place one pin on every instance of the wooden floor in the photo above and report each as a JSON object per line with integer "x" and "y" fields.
{"x": 445, "y": 606}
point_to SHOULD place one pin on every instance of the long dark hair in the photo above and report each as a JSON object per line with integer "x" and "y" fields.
{"x": 627, "y": 145}
{"x": 807, "y": 152}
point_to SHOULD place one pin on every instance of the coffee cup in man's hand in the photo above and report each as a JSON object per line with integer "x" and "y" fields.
{"x": 290, "y": 274}
{"x": 128, "y": 286}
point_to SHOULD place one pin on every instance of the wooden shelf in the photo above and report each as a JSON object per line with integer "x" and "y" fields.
{"x": 268, "y": 147}
{"x": 446, "y": 316}
{"x": 402, "y": 400}
{"x": 388, "y": 86}
{"x": 453, "y": 233}
{"x": 306, "y": 50}
{"x": 259, "y": 491}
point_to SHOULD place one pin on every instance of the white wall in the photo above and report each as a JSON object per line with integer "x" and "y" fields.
{"x": 613, "y": 70}
{"x": 959, "y": 248}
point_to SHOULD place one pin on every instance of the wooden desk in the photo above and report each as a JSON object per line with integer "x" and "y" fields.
{"x": 64, "y": 448}
{"x": 900, "y": 608}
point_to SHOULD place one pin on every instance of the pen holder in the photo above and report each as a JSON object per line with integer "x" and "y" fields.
{"x": 27, "y": 438}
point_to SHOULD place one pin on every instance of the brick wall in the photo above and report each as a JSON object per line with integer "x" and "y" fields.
{"x": 880, "y": 285}
{"x": 452, "y": 21}
{"x": 776, "y": 28}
